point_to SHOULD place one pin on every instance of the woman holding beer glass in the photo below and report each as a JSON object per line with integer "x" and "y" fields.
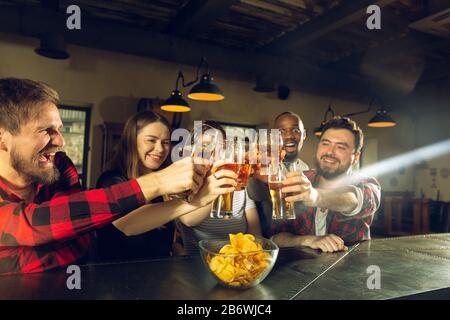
{"x": 231, "y": 212}
{"x": 148, "y": 231}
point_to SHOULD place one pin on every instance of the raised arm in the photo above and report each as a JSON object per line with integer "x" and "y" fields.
{"x": 343, "y": 200}
{"x": 180, "y": 176}
{"x": 152, "y": 216}
{"x": 352, "y": 202}
{"x": 155, "y": 215}
{"x": 66, "y": 216}
{"x": 69, "y": 213}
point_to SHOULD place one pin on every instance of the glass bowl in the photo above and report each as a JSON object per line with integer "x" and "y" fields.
{"x": 238, "y": 270}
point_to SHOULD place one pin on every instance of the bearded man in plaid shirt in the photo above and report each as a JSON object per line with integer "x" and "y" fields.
{"x": 46, "y": 221}
{"x": 334, "y": 207}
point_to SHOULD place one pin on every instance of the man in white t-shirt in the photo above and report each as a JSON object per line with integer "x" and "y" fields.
{"x": 333, "y": 207}
{"x": 293, "y": 134}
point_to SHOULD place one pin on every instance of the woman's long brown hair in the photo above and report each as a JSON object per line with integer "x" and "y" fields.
{"x": 126, "y": 158}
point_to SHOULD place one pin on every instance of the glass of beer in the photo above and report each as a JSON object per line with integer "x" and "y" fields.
{"x": 253, "y": 155}
{"x": 244, "y": 173}
{"x": 280, "y": 208}
{"x": 248, "y": 167}
{"x": 233, "y": 154}
{"x": 270, "y": 145}
{"x": 200, "y": 144}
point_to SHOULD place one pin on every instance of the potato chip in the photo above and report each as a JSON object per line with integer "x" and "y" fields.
{"x": 240, "y": 262}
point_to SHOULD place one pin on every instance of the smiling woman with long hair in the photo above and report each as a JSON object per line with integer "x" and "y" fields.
{"x": 143, "y": 147}
{"x": 148, "y": 231}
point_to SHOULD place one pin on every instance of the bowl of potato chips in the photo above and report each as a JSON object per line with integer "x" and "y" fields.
{"x": 240, "y": 262}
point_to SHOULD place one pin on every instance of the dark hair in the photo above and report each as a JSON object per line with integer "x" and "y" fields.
{"x": 126, "y": 159}
{"x": 346, "y": 123}
{"x": 214, "y": 125}
{"x": 19, "y": 99}
{"x": 288, "y": 113}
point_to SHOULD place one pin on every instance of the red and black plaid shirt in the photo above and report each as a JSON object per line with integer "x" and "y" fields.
{"x": 54, "y": 229}
{"x": 351, "y": 229}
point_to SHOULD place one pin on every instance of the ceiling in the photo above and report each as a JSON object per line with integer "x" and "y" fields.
{"x": 314, "y": 43}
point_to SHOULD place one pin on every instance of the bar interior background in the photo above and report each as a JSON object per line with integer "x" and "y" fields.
{"x": 321, "y": 50}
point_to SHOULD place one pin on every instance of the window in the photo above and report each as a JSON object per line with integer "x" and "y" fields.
{"x": 76, "y": 124}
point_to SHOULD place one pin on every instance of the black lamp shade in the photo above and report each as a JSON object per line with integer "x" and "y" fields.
{"x": 52, "y": 46}
{"x": 206, "y": 90}
{"x": 175, "y": 103}
{"x": 381, "y": 120}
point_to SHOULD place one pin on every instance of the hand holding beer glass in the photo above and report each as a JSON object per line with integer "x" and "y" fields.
{"x": 281, "y": 209}
{"x": 202, "y": 144}
{"x": 232, "y": 154}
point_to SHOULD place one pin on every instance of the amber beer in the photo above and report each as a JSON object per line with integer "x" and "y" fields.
{"x": 244, "y": 173}
{"x": 253, "y": 169}
{"x": 222, "y": 207}
{"x": 280, "y": 208}
{"x": 229, "y": 166}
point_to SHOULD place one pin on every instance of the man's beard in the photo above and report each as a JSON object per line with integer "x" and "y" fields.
{"x": 291, "y": 157}
{"x": 330, "y": 175}
{"x": 31, "y": 172}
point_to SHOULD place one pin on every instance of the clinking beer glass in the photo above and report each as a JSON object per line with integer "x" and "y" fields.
{"x": 248, "y": 167}
{"x": 233, "y": 153}
{"x": 280, "y": 208}
{"x": 270, "y": 145}
{"x": 202, "y": 143}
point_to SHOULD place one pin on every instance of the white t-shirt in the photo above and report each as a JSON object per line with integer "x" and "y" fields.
{"x": 301, "y": 165}
{"x": 321, "y": 214}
